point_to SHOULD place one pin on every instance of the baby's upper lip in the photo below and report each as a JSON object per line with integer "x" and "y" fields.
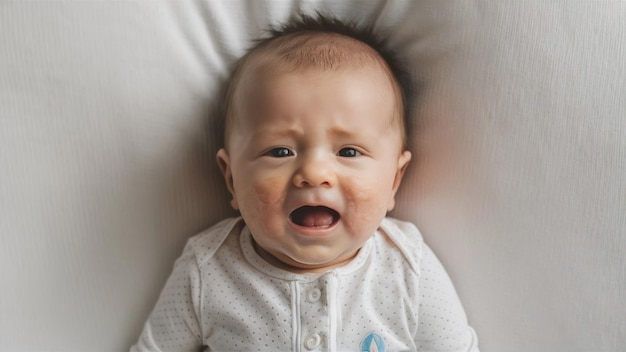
{"x": 315, "y": 200}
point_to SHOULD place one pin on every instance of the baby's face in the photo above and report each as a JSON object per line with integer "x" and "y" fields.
{"x": 313, "y": 164}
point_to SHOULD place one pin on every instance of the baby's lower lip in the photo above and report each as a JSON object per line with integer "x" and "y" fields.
{"x": 314, "y": 217}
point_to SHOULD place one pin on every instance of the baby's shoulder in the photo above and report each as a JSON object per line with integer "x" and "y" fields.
{"x": 406, "y": 237}
{"x": 203, "y": 246}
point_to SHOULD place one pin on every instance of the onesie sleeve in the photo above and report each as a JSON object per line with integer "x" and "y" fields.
{"x": 442, "y": 323}
{"x": 173, "y": 324}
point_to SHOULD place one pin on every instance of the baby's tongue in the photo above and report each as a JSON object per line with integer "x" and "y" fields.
{"x": 313, "y": 216}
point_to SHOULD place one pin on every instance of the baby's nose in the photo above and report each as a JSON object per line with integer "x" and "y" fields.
{"x": 314, "y": 171}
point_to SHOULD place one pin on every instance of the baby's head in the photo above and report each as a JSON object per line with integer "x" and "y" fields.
{"x": 315, "y": 141}
{"x": 324, "y": 44}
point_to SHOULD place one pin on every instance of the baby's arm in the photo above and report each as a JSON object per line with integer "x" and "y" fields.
{"x": 173, "y": 324}
{"x": 442, "y": 321}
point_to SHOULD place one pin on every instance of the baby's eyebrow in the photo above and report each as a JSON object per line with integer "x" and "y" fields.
{"x": 277, "y": 131}
{"x": 340, "y": 132}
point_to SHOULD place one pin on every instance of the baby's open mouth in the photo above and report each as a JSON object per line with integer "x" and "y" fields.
{"x": 319, "y": 216}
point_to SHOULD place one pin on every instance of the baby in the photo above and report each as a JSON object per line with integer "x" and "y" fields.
{"x": 314, "y": 152}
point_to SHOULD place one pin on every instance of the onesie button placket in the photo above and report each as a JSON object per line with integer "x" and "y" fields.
{"x": 314, "y": 314}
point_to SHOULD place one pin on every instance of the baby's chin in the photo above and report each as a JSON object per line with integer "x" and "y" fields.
{"x": 314, "y": 264}
{"x": 311, "y": 263}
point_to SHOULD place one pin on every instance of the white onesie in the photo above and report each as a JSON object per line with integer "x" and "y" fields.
{"x": 222, "y": 296}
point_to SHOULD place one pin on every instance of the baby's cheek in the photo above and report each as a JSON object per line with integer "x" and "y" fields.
{"x": 269, "y": 191}
{"x": 358, "y": 191}
{"x": 366, "y": 201}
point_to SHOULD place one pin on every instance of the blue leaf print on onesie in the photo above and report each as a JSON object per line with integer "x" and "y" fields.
{"x": 373, "y": 343}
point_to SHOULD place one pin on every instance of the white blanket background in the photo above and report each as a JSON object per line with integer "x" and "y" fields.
{"x": 518, "y": 180}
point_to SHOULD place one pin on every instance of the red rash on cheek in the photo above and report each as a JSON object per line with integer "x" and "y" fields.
{"x": 360, "y": 191}
{"x": 269, "y": 191}
{"x": 366, "y": 198}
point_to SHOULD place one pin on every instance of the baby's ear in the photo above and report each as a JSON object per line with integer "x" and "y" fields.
{"x": 403, "y": 163}
{"x": 223, "y": 160}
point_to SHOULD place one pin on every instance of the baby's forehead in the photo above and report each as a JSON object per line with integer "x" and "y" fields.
{"x": 311, "y": 52}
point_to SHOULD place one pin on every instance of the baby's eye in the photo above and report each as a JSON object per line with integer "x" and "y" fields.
{"x": 279, "y": 152}
{"x": 349, "y": 152}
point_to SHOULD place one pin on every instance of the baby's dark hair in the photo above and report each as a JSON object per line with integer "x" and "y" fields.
{"x": 320, "y": 41}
